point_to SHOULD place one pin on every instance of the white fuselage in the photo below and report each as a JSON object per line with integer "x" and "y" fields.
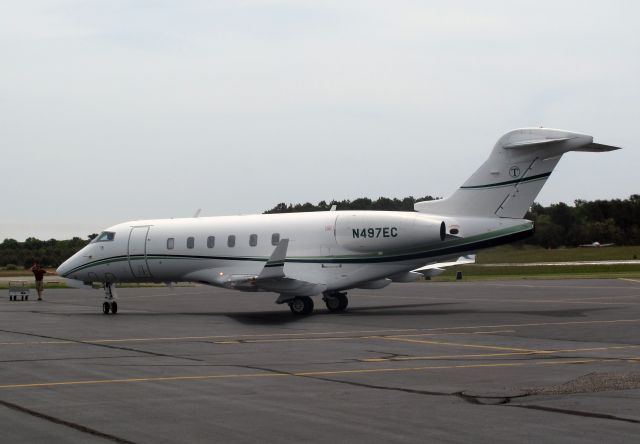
{"x": 334, "y": 249}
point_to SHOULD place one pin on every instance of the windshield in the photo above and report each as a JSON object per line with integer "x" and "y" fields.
{"x": 105, "y": 236}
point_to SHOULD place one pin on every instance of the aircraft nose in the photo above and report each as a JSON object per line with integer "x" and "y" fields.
{"x": 63, "y": 268}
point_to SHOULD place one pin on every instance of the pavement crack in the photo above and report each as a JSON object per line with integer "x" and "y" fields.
{"x": 576, "y": 413}
{"x": 355, "y": 384}
{"x": 487, "y": 400}
{"x": 380, "y": 387}
{"x": 62, "y": 422}
{"x": 95, "y": 344}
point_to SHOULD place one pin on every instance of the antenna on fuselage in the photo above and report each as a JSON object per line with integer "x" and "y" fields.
{"x": 197, "y": 213}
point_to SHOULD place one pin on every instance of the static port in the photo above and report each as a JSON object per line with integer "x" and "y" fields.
{"x": 454, "y": 231}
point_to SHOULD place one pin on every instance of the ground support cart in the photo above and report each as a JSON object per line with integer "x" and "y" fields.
{"x": 18, "y": 291}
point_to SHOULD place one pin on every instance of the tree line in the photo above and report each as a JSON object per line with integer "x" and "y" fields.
{"x": 49, "y": 253}
{"x": 605, "y": 221}
{"x": 557, "y": 225}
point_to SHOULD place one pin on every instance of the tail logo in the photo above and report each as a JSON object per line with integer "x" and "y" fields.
{"x": 514, "y": 171}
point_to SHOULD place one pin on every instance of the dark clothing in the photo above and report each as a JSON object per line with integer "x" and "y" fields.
{"x": 39, "y": 273}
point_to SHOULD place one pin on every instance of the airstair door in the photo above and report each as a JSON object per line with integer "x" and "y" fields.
{"x": 328, "y": 245}
{"x": 138, "y": 252}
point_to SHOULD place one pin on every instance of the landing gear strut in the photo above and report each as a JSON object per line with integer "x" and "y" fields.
{"x": 109, "y": 304}
{"x": 301, "y": 305}
{"x": 336, "y": 302}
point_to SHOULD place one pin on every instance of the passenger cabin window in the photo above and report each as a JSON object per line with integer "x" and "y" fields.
{"x": 253, "y": 240}
{"x": 170, "y": 243}
{"x": 211, "y": 241}
{"x": 275, "y": 238}
{"x": 231, "y": 241}
{"x": 106, "y": 236}
{"x": 190, "y": 242}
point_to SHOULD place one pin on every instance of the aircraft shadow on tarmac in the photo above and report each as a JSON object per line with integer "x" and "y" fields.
{"x": 284, "y": 316}
{"x": 278, "y": 317}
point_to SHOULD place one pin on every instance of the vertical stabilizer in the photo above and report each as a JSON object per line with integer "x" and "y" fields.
{"x": 510, "y": 179}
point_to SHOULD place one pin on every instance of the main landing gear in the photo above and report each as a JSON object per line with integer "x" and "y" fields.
{"x": 109, "y": 304}
{"x": 336, "y": 302}
{"x": 301, "y": 305}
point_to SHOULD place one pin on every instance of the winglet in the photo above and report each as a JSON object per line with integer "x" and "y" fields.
{"x": 274, "y": 268}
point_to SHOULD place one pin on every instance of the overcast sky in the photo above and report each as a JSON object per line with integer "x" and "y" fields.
{"x": 119, "y": 110}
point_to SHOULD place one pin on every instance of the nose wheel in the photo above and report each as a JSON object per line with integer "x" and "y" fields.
{"x": 108, "y": 307}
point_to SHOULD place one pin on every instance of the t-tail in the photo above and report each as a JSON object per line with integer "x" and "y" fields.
{"x": 510, "y": 179}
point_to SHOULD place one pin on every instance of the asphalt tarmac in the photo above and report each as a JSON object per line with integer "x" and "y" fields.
{"x": 520, "y": 361}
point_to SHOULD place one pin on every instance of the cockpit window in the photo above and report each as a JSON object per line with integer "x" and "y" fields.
{"x": 106, "y": 236}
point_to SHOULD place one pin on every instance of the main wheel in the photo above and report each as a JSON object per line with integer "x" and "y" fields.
{"x": 301, "y": 305}
{"x": 336, "y": 302}
{"x": 114, "y": 307}
{"x": 105, "y": 308}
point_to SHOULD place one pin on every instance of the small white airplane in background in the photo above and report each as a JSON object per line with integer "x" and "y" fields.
{"x": 595, "y": 244}
{"x": 300, "y": 255}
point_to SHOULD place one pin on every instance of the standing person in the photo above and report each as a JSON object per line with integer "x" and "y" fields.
{"x": 39, "y": 273}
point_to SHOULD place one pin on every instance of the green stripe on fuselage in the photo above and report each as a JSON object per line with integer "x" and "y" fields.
{"x": 455, "y": 246}
{"x": 508, "y": 182}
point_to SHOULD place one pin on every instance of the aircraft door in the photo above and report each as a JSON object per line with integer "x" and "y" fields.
{"x": 138, "y": 252}
{"x": 328, "y": 246}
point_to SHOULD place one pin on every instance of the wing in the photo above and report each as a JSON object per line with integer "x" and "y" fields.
{"x": 271, "y": 277}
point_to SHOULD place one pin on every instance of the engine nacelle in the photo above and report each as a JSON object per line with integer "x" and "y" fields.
{"x": 387, "y": 231}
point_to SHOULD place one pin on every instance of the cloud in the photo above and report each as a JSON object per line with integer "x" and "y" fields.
{"x": 120, "y": 110}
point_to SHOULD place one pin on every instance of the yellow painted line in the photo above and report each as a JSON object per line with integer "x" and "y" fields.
{"x": 420, "y": 335}
{"x": 309, "y": 373}
{"x": 346, "y": 338}
{"x": 233, "y": 341}
{"x": 153, "y": 379}
{"x": 580, "y": 287}
{"x": 543, "y": 301}
{"x": 190, "y": 338}
{"x": 521, "y": 301}
{"x": 494, "y": 355}
{"x": 395, "y": 332}
{"x": 457, "y": 344}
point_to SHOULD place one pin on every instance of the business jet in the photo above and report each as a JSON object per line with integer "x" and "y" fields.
{"x": 302, "y": 255}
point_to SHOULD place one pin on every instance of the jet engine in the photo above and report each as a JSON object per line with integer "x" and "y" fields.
{"x": 386, "y": 231}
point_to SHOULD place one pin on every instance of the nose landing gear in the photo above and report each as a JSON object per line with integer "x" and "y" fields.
{"x": 110, "y": 304}
{"x": 109, "y": 307}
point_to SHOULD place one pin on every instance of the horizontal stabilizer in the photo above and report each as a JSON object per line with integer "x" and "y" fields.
{"x": 535, "y": 142}
{"x": 597, "y": 148}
